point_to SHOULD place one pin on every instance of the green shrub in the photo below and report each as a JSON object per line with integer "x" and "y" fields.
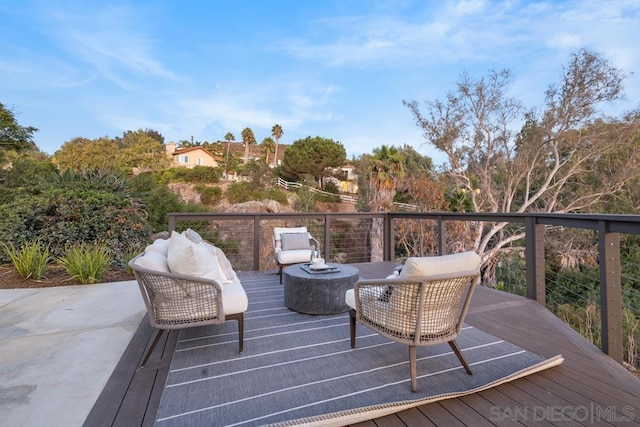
{"x": 30, "y": 260}
{"x": 243, "y": 191}
{"x": 209, "y": 195}
{"x": 159, "y": 201}
{"x": 64, "y": 215}
{"x": 277, "y": 194}
{"x": 85, "y": 262}
{"x": 192, "y": 175}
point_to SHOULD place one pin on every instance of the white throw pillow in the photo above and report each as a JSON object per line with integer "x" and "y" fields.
{"x": 445, "y": 264}
{"x": 192, "y": 235}
{"x": 159, "y": 245}
{"x": 153, "y": 261}
{"x": 226, "y": 271}
{"x": 195, "y": 260}
{"x": 177, "y": 243}
{"x": 225, "y": 266}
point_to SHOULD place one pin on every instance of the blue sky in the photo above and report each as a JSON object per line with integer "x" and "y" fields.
{"x": 336, "y": 69}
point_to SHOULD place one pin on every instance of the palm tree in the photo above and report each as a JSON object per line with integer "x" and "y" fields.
{"x": 276, "y": 132}
{"x": 268, "y": 147}
{"x": 228, "y": 137}
{"x": 247, "y": 138}
{"x": 385, "y": 172}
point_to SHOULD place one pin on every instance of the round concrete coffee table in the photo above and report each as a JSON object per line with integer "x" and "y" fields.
{"x": 318, "y": 292}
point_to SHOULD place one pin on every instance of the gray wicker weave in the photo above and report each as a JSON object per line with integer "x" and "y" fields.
{"x": 419, "y": 311}
{"x": 176, "y": 301}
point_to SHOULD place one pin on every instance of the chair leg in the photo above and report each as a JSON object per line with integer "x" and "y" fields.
{"x": 156, "y": 337}
{"x": 352, "y": 329}
{"x": 458, "y": 353}
{"x": 280, "y": 273}
{"x": 241, "y": 332}
{"x": 412, "y": 368}
{"x": 240, "y": 318}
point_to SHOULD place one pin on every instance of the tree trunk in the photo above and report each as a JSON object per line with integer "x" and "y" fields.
{"x": 377, "y": 228}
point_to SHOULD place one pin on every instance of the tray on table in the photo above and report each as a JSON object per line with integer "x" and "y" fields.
{"x": 329, "y": 269}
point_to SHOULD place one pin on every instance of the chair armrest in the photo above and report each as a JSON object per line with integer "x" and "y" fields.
{"x": 317, "y": 244}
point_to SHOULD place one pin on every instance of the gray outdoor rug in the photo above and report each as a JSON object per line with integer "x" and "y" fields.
{"x": 299, "y": 369}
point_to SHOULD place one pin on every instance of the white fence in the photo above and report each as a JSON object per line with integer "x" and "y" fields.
{"x": 343, "y": 197}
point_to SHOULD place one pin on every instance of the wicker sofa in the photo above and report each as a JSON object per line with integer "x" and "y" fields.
{"x": 187, "y": 282}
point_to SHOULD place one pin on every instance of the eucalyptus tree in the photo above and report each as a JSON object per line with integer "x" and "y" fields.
{"x": 248, "y": 139}
{"x": 276, "y": 133}
{"x": 541, "y": 168}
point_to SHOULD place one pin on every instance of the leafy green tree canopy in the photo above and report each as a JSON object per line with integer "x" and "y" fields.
{"x": 135, "y": 149}
{"x": 311, "y": 156}
{"x": 14, "y": 137}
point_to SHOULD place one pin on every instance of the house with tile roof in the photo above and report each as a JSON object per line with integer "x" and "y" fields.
{"x": 191, "y": 156}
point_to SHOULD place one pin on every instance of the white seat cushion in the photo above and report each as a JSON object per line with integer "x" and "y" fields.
{"x": 293, "y": 257}
{"x": 234, "y": 299}
{"x": 350, "y": 298}
{"x": 278, "y": 230}
{"x": 444, "y": 264}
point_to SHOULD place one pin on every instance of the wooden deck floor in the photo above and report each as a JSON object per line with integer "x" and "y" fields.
{"x": 589, "y": 388}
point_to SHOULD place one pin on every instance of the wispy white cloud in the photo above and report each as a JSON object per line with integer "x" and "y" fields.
{"x": 467, "y": 30}
{"x": 109, "y": 40}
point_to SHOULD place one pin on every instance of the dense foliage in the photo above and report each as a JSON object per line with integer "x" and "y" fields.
{"x": 245, "y": 191}
{"x": 14, "y": 138}
{"x": 311, "y": 156}
{"x": 142, "y": 149}
{"x": 77, "y": 208}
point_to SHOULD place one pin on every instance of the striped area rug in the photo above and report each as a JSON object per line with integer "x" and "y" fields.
{"x": 299, "y": 369}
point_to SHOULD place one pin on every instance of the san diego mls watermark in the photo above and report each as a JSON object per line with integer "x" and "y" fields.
{"x": 590, "y": 413}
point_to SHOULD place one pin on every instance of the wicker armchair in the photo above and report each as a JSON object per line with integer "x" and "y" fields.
{"x": 176, "y": 301}
{"x": 418, "y": 310}
{"x": 292, "y": 246}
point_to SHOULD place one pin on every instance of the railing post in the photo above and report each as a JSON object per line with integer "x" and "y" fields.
{"x": 256, "y": 242}
{"x": 172, "y": 223}
{"x": 442, "y": 236}
{"x": 327, "y": 237}
{"x": 392, "y": 239}
{"x": 610, "y": 292}
{"x": 534, "y": 252}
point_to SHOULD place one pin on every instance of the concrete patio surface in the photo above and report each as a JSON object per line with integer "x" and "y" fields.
{"x": 58, "y": 348}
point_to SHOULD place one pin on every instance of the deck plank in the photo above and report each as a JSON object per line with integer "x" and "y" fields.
{"x": 132, "y": 395}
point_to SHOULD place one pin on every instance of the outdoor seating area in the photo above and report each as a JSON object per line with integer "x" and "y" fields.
{"x": 512, "y": 359}
{"x": 587, "y": 380}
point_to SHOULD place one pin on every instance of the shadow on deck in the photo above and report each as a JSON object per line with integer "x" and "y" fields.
{"x": 588, "y": 388}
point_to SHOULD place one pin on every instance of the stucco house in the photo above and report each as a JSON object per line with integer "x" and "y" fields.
{"x": 191, "y": 156}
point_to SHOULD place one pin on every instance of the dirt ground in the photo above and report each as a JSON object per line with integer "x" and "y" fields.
{"x": 54, "y": 276}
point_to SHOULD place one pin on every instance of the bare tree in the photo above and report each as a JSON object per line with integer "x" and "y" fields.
{"x": 542, "y": 168}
